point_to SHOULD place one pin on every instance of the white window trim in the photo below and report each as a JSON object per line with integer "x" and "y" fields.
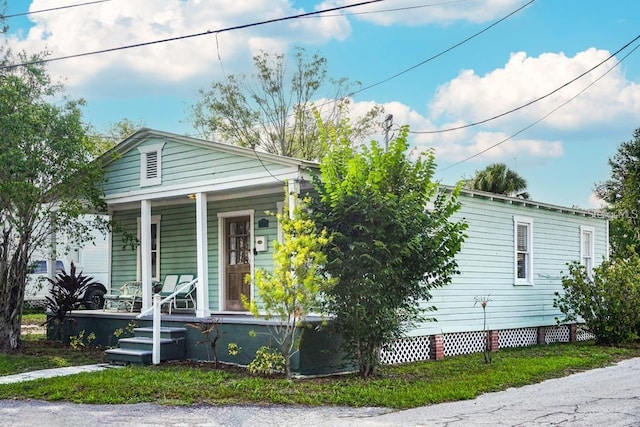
{"x": 221, "y": 264}
{"x": 144, "y": 152}
{"x": 155, "y": 219}
{"x": 592, "y": 231}
{"x": 528, "y": 281}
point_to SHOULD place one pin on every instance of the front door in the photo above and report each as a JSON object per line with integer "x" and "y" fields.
{"x": 237, "y": 261}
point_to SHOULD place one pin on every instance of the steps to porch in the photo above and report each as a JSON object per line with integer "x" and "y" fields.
{"x": 139, "y": 348}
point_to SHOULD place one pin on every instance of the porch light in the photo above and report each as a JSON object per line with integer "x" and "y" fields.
{"x": 191, "y": 196}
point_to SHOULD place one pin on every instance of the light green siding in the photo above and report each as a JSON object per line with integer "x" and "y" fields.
{"x": 486, "y": 264}
{"x": 182, "y": 163}
{"x": 178, "y": 239}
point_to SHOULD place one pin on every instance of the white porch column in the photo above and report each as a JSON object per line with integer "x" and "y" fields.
{"x": 294, "y": 189}
{"x": 145, "y": 252}
{"x": 202, "y": 253}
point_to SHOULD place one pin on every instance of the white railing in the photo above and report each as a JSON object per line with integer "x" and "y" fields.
{"x": 157, "y": 317}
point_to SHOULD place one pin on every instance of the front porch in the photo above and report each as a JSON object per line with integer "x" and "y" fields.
{"x": 319, "y": 351}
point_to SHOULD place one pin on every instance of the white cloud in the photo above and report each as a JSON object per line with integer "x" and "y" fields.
{"x": 418, "y": 12}
{"x": 114, "y": 24}
{"x": 470, "y": 97}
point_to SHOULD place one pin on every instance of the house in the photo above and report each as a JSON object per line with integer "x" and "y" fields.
{"x": 208, "y": 209}
{"x": 514, "y": 255}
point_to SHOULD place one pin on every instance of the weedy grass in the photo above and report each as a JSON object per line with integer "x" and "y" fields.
{"x": 404, "y": 386}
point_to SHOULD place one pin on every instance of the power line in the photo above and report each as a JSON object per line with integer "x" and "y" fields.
{"x": 543, "y": 117}
{"x": 33, "y": 12}
{"x": 170, "y": 39}
{"x": 513, "y": 110}
{"x": 397, "y": 9}
{"x": 406, "y": 70}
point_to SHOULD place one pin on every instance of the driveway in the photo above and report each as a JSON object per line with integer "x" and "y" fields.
{"x": 605, "y": 397}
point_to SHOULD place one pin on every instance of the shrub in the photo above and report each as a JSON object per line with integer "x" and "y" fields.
{"x": 66, "y": 294}
{"x": 606, "y": 301}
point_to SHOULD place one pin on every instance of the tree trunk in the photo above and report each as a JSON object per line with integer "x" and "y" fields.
{"x": 13, "y": 276}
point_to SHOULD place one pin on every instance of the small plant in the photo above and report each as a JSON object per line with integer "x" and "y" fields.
{"x": 66, "y": 295}
{"x": 78, "y": 342}
{"x": 484, "y": 301}
{"x": 267, "y": 362}
{"x": 211, "y": 333}
{"x": 119, "y": 332}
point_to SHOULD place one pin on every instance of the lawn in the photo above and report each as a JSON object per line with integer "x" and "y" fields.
{"x": 406, "y": 386}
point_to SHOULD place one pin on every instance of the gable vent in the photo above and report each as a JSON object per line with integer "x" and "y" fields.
{"x": 152, "y": 165}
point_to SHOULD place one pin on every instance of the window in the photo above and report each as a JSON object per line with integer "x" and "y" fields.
{"x": 587, "y": 248}
{"x": 150, "y": 164}
{"x": 523, "y": 250}
{"x": 155, "y": 249}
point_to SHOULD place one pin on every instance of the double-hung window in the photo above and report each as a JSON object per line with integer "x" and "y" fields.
{"x": 523, "y": 250}
{"x": 587, "y": 248}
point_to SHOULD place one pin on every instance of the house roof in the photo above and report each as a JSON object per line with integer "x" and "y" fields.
{"x": 145, "y": 133}
{"x": 522, "y": 202}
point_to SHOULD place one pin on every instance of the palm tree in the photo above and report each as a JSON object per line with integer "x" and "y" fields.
{"x": 498, "y": 178}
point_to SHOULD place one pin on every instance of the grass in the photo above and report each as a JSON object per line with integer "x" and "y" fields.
{"x": 405, "y": 386}
{"x": 36, "y": 353}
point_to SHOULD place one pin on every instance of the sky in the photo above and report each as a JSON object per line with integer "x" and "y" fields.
{"x": 433, "y": 64}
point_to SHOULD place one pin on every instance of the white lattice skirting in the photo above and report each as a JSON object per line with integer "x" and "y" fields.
{"x": 413, "y": 349}
{"x": 406, "y": 350}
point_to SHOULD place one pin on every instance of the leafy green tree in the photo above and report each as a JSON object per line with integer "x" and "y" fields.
{"x": 498, "y": 178}
{"x": 622, "y": 193}
{"x": 607, "y": 300}
{"x": 273, "y": 109}
{"x": 295, "y": 287}
{"x": 46, "y": 179}
{"x": 116, "y": 132}
{"x": 387, "y": 249}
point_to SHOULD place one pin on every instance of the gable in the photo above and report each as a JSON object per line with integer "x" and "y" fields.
{"x": 156, "y": 161}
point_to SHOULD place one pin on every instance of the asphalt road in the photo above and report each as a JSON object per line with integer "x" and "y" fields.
{"x": 602, "y": 397}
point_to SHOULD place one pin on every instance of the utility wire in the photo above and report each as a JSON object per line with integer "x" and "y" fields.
{"x": 397, "y": 9}
{"x": 444, "y": 51}
{"x": 33, "y": 12}
{"x": 543, "y": 117}
{"x": 513, "y": 110}
{"x": 188, "y": 36}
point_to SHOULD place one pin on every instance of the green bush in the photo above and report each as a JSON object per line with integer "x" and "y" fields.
{"x": 607, "y": 301}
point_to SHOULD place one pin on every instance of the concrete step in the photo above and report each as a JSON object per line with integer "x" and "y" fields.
{"x": 170, "y": 349}
{"x": 123, "y": 356}
{"x": 164, "y": 332}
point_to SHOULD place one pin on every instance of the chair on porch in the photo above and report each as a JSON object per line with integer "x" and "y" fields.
{"x": 169, "y": 284}
{"x": 125, "y": 298}
{"x": 187, "y": 298}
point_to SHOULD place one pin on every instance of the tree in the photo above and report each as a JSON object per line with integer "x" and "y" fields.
{"x": 273, "y": 110}
{"x": 622, "y": 193}
{"x": 498, "y": 178}
{"x": 47, "y": 179}
{"x": 387, "y": 249}
{"x": 294, "y": 288}
{"x": 116, "y": 132}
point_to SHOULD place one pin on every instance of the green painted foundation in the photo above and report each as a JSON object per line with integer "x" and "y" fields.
{"x": 319, "y": 349}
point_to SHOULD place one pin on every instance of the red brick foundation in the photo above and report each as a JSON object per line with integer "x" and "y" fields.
{"x": 436, "y": 347}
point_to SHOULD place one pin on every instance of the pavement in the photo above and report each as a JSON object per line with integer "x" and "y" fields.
{"x": 56, "y": 372}
{"x": 607, "y": 396}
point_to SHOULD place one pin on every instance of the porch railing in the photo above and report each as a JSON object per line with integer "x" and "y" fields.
{"x": 157, "y": 317}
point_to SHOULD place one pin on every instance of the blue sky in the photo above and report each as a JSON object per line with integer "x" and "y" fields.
{"x": 526, "y": 56}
